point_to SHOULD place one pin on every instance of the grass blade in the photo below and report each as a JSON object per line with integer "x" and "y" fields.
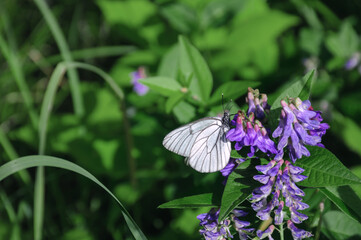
{"x": 48, "y": 161}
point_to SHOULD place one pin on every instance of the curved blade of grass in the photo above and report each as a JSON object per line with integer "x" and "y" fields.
{"x": 65, "y": 53}
{"x": 48, "y": 161}
{"x": 43, "y": 124}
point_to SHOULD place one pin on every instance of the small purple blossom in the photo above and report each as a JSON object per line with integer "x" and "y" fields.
{"x": 230, "y": 167}
{"x": 266, "y": 233}
{"x": 139, "y": 88}
{"x": 212, "y": 229}
{"x": 257, "y": 106}
{"x": 297, "y": 233}
{"x": 240, "y": 225}
{"x": 299, "y": 125}
{"x": 353, "y": 61}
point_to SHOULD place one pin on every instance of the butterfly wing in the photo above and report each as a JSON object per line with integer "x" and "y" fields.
{"x": 211, "y": 150}
{"x": 203, "y": 142}
{"x": 181, "y": 140}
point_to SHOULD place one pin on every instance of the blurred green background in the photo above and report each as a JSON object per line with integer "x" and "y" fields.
{"x": 267, "y": 43}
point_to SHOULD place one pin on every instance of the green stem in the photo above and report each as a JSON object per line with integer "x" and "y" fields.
{"x": 318, "y": 231}
{"x": 65, "y": 53}
{"x": 281, "y": 232}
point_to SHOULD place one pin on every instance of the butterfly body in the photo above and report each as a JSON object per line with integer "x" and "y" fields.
{"x": 203, "y": 143}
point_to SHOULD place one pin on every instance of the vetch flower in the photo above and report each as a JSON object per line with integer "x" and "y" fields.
{"x": 259, "y": 107}
{"x": 250, "y": 132}
{"x": 240, "y": 225}
{"x": 266, "y": 233}
{"x": 353, "y": 61}
{"x": 299, "y": 125}
{"x": 212, "y": 229}
{"x": 139, "y": 88}
{"x": 230, "y": 167}
{"x": 279, "y": 180}
{"x": 297, "y": 233}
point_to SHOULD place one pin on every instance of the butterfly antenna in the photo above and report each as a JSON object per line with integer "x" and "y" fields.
{"x": 222, "y": 103}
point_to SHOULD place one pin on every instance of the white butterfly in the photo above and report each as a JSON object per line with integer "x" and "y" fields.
{"x": 202, "y": 142}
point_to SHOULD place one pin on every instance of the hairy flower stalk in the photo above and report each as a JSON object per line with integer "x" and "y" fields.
{"x": 215, "y": 230}
{"x": 299, "y": 125}
{"x": 279, "y": 190}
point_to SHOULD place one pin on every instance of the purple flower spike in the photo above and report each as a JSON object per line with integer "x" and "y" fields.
{"x": 297, "y": 233}
{"x": 139, "y": 88}
{"x": 259, "y": 107}
{"x": 299, "y": 125}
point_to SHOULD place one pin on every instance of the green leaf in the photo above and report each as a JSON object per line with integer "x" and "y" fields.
{"x": 324, "y": 169}
{"x": 195, "y": 201}
{"x": 169, "y": 64}
{"x": 173, "y": 100}
{"x": 235, "y": 154}
{"x": 300, "y": 88}
{"x": 337, "y": 225}
{"x": 180, "y": 16}
{"x": 192, "y": 63}
{"x": 232, "y": 90}
{"x": 129, "y": 13}
{"x": 184, "y": 112}
{"x": 48, "y": 161}
{"x": 163, "y": 85}
{"x": 345, "y": 199}
{"x": 240, "y": 185}
{"x": 344, "y": 43}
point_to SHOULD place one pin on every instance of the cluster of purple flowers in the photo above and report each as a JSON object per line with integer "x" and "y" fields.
{"x": 299, "y": 125}
{"x": 212, "y": 229}
{"x": 280, "y": 184}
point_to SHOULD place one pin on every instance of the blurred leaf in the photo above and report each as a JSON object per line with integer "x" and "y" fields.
{"x": 239, "y": 186}
{"x": 163, "y": 85}
{"x": 169, "y": 64}
{"x": 181, "y": 17}
{"x": 126, "y": 193}
{"x": 132, "y": 13}
{"x": 232, "y": 90}
{"x": 184, "y": 112}
{"x": 212, "y": 39}
{"x": 324, "y": 169}
{"x": 349, "y": 104}
{"x": 192, "y": 63}
{"x": 47, "y": 161}
{"x": 337, "y": 225}
{"x": 78, "y": 233}
{"x": 173, "y": 100}
{"x": 139, "y": 58}
{"x": 254, "y": 27}
{"x": 106, "y": 150}
{"x": 266, "y": 57}
{"x": 310, "y": 41}
{"x": 345, "y": 199}
{"x": 195, "y": 201}
{"x": 344, "y": 43}
{"x": 348, "y": 130}
{"x": 300, "y": 88}
{"x": 145, "y": 125}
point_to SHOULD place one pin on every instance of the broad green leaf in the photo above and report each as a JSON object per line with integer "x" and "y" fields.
{"x": 169, "y": 64}
{"x": 300, "y": 88}
{"x": 235, "y": 154}
{"x": 184, "y": 112}
{"x": 48, "y": 161}
{"x": 232, "y": 90}
{"x": 193, "y": 64}
{"x": 345, "y": 199}
{"x": 324, "y": 169}
{"x": 195, "y": 201}
{"x": 163, "y": 85}
{"x": 344, "y": 43}
{"x": 310, "y": 40}
{"x": 132, "y": 13}
{"x": 240, "y": 185}
{"x": 338, "y": 226}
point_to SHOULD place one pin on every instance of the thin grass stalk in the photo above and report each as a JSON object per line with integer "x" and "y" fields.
{"x": 65, "y": 53}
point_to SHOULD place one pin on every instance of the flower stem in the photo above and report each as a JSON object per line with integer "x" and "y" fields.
{"x": 281, "y": 232}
